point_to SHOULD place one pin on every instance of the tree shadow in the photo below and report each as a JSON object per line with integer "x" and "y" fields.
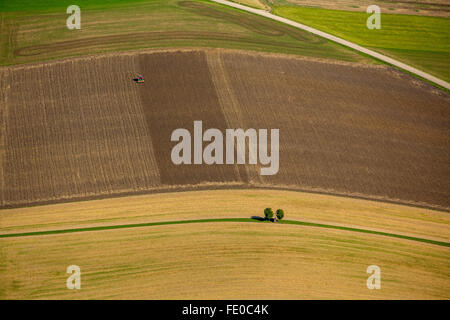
{"x": 258, "y": 218}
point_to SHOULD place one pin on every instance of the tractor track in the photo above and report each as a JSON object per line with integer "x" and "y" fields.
{"x": 144, "y": 37}
{"x": 253, "y": 23}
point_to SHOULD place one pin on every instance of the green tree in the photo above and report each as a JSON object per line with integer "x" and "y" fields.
{"x": 280, "y": 214}
{"x": 268, "y": 213}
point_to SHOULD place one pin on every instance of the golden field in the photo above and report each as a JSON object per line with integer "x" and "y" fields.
{"x": 224, "y": 260}
{"x": 302, "y": 206}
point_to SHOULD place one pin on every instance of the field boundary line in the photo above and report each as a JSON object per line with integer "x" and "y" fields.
{"x": 340, "y": 41}
{"x": 233, "y": 186}
{"x": 246, "y": 220}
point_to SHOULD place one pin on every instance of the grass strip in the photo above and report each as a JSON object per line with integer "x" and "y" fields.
{"x": 162, "y": 223}
{"x": 387, "y": 234}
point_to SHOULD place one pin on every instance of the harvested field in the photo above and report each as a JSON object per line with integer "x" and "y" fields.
{"x": 219, "y": 204}
{"x": 344, "y": 128}
{"x": 221, "y": 261}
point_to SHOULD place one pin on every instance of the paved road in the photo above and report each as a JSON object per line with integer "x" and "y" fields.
{"x": 346, "y": 43}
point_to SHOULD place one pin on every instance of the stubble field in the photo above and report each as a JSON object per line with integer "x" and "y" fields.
{"x": 223, "y": 260}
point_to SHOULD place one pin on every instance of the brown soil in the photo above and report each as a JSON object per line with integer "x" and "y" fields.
{"x": 174, "y": 99}
{"x": 81, "y": 128}
{"x": 370, "y": 131}
{"x": 75, "y": 129}
{"x": 437, "y": 8}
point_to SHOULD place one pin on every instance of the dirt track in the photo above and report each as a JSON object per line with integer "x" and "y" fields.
{"x": 346, "y": 129}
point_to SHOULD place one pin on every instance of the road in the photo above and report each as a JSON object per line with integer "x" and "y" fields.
{"x": 341, "y": 41}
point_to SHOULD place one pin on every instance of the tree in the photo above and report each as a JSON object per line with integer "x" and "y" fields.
{"x": 268, "y": 213}
{"x": 280, "y": 214}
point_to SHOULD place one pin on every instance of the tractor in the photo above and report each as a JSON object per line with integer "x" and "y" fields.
{"x": 139, "y": 79}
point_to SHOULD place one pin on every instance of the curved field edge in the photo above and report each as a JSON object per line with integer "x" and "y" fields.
{"x": 229, "y": 260}
{"x": 291, "y": 222}
{"x": 225, "y": 204}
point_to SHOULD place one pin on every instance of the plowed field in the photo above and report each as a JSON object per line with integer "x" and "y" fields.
{"x": 81, "y": 128}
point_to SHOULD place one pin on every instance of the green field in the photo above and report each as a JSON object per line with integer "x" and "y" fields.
{"x": 30, "y": 30}
{"x": 423, "y": 42}
{"x": 37, "y": 32}
{"x": 48, "y": 5}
